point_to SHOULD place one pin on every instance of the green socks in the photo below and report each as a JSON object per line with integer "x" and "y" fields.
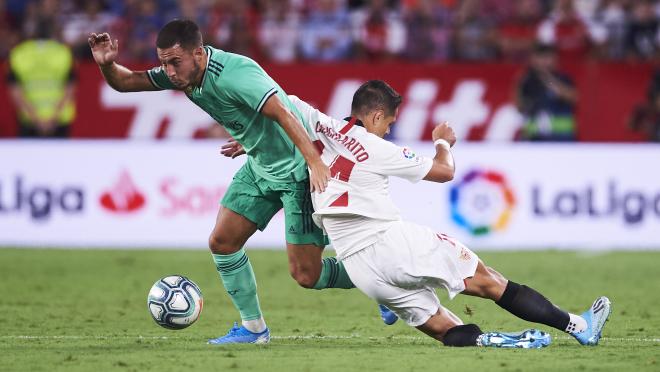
{"x": 333, "y": 275}
{"x": 237, "y": 276}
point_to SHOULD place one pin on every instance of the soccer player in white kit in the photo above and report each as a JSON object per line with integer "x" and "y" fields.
{"x": 399, "y": 264}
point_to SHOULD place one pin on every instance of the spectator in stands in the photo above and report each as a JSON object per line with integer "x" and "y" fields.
{"x": 42, "y": 84}
{"x": 16, "y": 9}
{"x": 428, "y": 29}
{"x": 8, "y": 35}
{"x": 326, "y": 33}
{"x": 144, "y": 21}
{"x": 610, "y": 16}
{"x": 517, "y": 34}
{"x": 642, "y": 35}
{"x": 233, "y": 27}
{"x": 496, "y": 11}
{"x": 646, "y": 117}
{"x": 379, "y": 31}
{"x": 566, "y": 31}
{"x": 474, "y": 36}
{"x": 40, "y": 15}
{"x": 190, "y": 9}
{"x": 546, "y": 97}
{"x": 278, "y": 31}
{"x": 80, "y": 24}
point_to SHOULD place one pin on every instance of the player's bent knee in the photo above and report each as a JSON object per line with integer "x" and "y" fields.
{"x": 486, "y": 283}
{"x": 218, "y": 245}
{"x": 493, "y": 285}
{"x": 304, "y": 278}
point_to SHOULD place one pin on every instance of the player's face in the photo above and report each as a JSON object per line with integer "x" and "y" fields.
{"x": 182, "y": 66}
{"x": 544, "y": 62}
{"x": 383, "y": 122}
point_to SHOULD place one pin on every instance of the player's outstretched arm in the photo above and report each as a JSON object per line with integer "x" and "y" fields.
{"x": 443, "y": 162}
{"x": 118, "y": 77}
{"x": 319, "y": 173}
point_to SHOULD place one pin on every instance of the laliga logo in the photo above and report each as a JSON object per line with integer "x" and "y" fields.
{"x": 408, "y": 153}
{"x": 482, "y": 202}
{"x": 124, "y": 197}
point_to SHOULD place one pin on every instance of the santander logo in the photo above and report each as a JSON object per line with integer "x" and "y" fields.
{"x": 123, "y": 197}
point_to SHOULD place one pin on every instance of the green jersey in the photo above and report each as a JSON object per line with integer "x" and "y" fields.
{"x": 233, "y": 91}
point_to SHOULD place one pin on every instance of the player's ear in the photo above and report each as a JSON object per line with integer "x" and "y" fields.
{"x": 373, "y": 115}
{"x": 379, "y": 115}
{"x": 198, "y": 52}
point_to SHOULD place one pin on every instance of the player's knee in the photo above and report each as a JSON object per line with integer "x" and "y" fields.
{"x": 487, "y": 283}
{"x": 494, "y": 285}
{"x": 304, "y": 278}
{"x": 219, "y": 245}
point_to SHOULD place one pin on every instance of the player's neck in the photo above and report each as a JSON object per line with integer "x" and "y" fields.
{"x": 202, "y": 70}
{"x": 368, "y": 125}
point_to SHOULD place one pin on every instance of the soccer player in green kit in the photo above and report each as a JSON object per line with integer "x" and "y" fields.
{"x": 240, "y": 96}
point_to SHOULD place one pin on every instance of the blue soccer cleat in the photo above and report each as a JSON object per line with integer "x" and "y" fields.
{"x": 528, "y": 339}
{"x": 596, "y": 317}
{"x": 387, "y": 315}
{"x": 240, "y": 335}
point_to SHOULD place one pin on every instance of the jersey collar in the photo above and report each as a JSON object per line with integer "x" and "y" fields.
{"x": 351, "y": 122}
{"x": 208, "y": 59}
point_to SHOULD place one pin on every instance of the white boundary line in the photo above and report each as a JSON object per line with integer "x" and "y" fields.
{"x": 290, "y": 337}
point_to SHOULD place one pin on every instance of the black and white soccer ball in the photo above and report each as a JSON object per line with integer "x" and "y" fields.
{"x": 175, "y": 302}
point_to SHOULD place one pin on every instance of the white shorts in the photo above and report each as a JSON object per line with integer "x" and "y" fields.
{"x": 403, "y": 268}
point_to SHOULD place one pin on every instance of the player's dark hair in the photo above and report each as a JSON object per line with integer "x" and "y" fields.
{"x": 179, "y": 31}
{"x": 375, "y": 95}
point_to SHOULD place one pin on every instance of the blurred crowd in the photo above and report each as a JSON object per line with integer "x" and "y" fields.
{"x": 337, "y": 30}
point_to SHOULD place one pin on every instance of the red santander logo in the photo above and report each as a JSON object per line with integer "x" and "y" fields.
{"x": 123, "y": 196}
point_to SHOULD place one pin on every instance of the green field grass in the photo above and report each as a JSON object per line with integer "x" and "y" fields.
{"x": 85, "y": 310}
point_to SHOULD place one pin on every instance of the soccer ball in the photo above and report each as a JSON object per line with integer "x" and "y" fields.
{"x": 175, "y": 302}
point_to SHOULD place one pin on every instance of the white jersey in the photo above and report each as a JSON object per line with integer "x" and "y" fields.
{"x": 356, "y": 204}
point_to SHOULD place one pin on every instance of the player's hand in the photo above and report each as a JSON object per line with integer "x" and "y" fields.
{"x": 444, "y": 131}
{"x": 232, "y": 149}
{"x": 319, "y": 175}
{"x": 45, "y": 127}
{"x": 103, "y": 49}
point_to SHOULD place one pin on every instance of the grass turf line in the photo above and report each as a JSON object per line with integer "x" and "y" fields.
{"x": 86, "y": 309}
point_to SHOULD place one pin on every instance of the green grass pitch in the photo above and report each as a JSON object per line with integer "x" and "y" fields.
{"x": 85, "y": 310}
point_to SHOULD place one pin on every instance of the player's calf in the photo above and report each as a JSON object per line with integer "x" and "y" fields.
{"x": 310, "y": 270}
{"x": 522, "y": 301}
{"x": 440, "y": 325}
{"x": 304, "y": 263}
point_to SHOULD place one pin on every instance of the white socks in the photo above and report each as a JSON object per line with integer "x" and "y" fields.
{"x": 257, "y": 325}
{"x": 576, "y": 324}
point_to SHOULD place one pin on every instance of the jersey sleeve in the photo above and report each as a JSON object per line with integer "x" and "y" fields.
{"x": 310, "y": 114}
{"x": 249, "y": 85}
{"x": 301, "y": 105}
{"x": 397, "y": 161}
{"x": 158, "y": 78}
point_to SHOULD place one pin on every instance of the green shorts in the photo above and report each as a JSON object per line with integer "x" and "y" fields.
{"x": 258, "y": 201}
